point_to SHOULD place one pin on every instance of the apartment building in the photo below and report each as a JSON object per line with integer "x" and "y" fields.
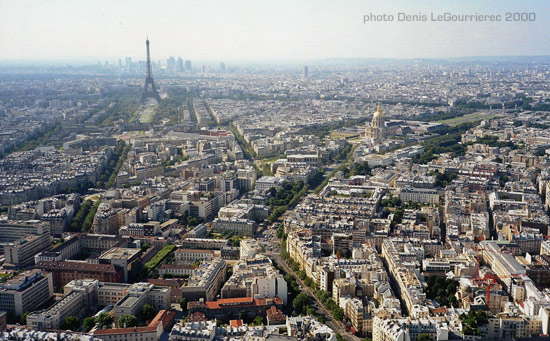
{"x": 14, "y": 230}
{"x": 205, "y": 281}
{"x": 100, "y": 294}
{"x": 26, "y": 291}
{"x": 152, "y": 332}
{"x": 238, "y": 225}
{"x": 178, "y": 270}
{"x": 108, "y": 219}
{"x": 66, "y": 271}
{"x": 423, "y": 195}
{"x": 20, "y": 253}
{"x": 249, "y": 248}
{"x": 188, "y": 256}
{"x": 140, "y": 294}
{"x": 204, "y": 243}
{"x": 232, "y": 308}
{"x": 256, "y": 278}
{"x": 52, "y": 318}
{"x": 360, "y": 319}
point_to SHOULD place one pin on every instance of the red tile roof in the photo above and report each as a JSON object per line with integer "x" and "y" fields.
{"x": 236, "y": 323}
{"x": 197, "y": 316}
{"x": 240, "y": 301}
{"x": 229, "y": 302}
{"x": 164, "y": 317}
{"x": 440, "y": 310}
{"x": 274, "y": 312}
{"x": 115, "y": 331}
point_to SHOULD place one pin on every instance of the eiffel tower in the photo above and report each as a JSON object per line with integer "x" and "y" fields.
{"x": 149, "y": 93}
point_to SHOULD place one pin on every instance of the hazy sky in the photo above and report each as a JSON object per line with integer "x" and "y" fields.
{"x": 263, "y": 29}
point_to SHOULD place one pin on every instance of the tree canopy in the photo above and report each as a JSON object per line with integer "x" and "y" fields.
{"x": 88, "y": 324}
{"x": 148, "y": 312}
{"x": 126, "y": 321}
{"x": 104, "y": 320}
{"x": 71, "y": 323}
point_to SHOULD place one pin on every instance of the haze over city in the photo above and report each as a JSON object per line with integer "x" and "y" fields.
{"x": 263, "y": 30}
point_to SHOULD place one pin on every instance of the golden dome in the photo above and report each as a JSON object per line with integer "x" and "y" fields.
{"x": 377, "y": 113}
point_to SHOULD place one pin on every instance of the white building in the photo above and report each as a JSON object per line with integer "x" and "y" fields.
{"x": 257, "y": 278}
{"x": 267, "y": 182}
{"x": 249, "y": 248}
{"x": 424, "y": 195}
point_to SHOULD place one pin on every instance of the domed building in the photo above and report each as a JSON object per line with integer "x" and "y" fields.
{"x": 376, "y": 131}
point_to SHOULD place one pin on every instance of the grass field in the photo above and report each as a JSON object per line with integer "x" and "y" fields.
{"x": 135, "y": 116}
{"x": 147, "y": 114}
{"x": 469, "y": 118}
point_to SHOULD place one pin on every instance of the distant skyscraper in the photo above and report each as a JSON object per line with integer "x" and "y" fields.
{"x": 305, "y": 72}
{"x": 120, "y": 63}
{"x": 128, "y": 61}
{"x": 149, "y": 82}
{"x": 222, "y": 67}
{"x": 171, "y": 65}
{"x": 180, "y": 65}
{"x": 188, "y": 65}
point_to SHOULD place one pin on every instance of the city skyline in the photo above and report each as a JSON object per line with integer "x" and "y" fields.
{"x": 263, "y": 31}
{"x": 274, "y": 170}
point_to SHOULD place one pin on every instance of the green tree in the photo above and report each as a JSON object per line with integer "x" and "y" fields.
{"x": 472, "y": 321}
{"x": 71, "y": 323}
{"x": 442, "y": 289}
{"x": 280, "y": 231}
{"x": 357, "y": 169}
{"x": 338, "y": 313}
{"x": 443, "y": 179}
{"x": 300, "y": 304}
{"x": 144, "y": 247}
{"x": 126, "y": 321}
{"x": 148, "y": 312}
{"x": 23, "y": 319}
{"x": 258, "y": 321}
{"x": 88, "y": 324}
{"x": 78, "y": 220}
{"x": 424, "y": 337}
{"x": 322, "y": 295}
{"x": 89, "y": 220}
{"x": 309, "y": 282}
{"x": 104, "y": 320}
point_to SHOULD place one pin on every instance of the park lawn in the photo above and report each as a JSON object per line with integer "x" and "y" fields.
{"x": 469, "y": 118}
